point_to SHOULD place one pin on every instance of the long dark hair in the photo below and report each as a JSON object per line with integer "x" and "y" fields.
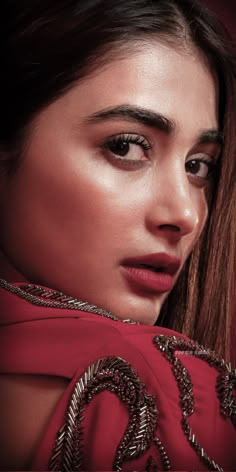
{"x": 48, "y": 45}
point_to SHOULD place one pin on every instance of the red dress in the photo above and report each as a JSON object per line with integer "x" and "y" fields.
{"x": 139, "y": 397}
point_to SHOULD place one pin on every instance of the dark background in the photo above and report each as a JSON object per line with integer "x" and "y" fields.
{"x": 226, "y": 11}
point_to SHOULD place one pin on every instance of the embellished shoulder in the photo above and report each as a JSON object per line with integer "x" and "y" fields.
{"x": 138, "y": 397}
{"x": 140, "y": 438}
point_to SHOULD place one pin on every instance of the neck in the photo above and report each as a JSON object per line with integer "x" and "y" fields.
{"x": 8, "y": 271}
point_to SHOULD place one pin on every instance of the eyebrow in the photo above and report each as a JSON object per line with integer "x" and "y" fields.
{"x": 134, "y": 114}
{"x": 213, "y": 136}
{"x": 152, "y": 119}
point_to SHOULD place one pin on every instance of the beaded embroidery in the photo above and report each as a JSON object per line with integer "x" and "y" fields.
{"x": 151, "y": 465}
{"x": 226, "y": 381}
{"x": 41, "y": 296}
{"x": 117, "y": 376}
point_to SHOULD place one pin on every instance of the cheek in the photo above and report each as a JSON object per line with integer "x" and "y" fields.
{"x": 69, "y": 208}
{"x": 201, "y": 206}
{"x": 202, "y": 211}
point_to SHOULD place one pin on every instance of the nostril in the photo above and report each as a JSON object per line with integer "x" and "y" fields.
{"x": 170, "y": 227}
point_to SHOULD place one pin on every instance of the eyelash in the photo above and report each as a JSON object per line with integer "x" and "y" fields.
{"x": 130, "y": 139}
{"x": 141, "y": 141}
{"x": 127, "y": 139}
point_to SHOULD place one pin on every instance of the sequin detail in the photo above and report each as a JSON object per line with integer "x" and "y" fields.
{"x": 226, "y": 382}
{"x": 117, "y": 376}
{"x": 151, "y": 465}
{"x": 68, "y": 453}
{"x": 41, "y": 296}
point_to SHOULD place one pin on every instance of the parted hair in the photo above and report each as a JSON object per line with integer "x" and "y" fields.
{"x": 46, "y": 46}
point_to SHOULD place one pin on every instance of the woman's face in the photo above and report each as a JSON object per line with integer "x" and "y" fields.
{"x": 109, "y": 199}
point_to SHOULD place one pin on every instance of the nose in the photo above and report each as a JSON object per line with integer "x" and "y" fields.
{"x": 176, "y": 205}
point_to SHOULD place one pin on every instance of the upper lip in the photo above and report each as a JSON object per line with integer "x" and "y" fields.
{"x": 163, "y": 261}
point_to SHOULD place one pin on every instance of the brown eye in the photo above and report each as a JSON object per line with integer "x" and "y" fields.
{"x": 121, "y": 148}
{"x": 130, "y": 148}
{"x": 201, "y": 168}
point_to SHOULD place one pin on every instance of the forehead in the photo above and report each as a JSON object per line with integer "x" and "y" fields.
{"x": 177, "y": 83}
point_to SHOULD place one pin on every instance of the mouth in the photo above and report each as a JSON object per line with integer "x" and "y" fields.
{"x": 149, "y": 267}
{"x": 151, "y": 273}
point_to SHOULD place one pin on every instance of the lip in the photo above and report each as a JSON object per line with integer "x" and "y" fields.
{"x": 151, "y": 272}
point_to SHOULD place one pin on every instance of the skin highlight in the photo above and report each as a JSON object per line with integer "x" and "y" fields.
{"x": 80, "y": 211}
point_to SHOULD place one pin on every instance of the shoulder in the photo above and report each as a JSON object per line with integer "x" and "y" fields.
{"x": 141, "y": 391}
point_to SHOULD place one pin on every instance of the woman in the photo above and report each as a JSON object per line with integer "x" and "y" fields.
{"x": 117, "y": 184}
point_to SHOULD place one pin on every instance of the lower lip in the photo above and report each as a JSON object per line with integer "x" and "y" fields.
{"x": 148, "y": 280}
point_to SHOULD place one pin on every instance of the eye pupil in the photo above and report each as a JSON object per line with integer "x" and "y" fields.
{"x": 194, "y": 166}
{"x": 120, "y": 148}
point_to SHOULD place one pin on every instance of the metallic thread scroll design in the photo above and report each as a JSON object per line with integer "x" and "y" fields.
{"x": 50, "y": 298}
{"x": 163, "y": 454}
{"x": 226, "y": 384}
{"x": 117, "y": 376}
{"x": 151, "y": 465}
{"x": 168, "y": 345}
